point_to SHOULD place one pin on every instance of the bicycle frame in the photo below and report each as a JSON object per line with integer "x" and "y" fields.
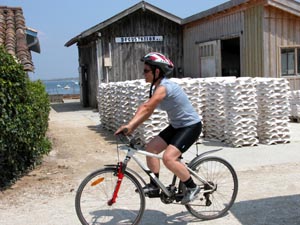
{"x": 215, "y": 176}
{"x": 131, "y": 154}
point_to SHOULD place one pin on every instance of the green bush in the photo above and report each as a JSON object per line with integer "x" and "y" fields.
{"x": 24, "y": 112}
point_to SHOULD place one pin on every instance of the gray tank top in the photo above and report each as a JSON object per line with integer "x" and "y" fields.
{"x": 180, "y": 111}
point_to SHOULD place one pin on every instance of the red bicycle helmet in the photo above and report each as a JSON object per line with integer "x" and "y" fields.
{"x": 159, "y": 60}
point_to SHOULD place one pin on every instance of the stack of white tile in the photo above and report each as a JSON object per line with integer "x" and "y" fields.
{"x": 213, "y": 114}
{"x": 100, "y": 100}
{"x": 118, "y": 102}
{"x": 121, "y": 108}
{"x": 193, "y": 88}
{"x": 105, "y": 105}
{"x": 114, "y": 100}
{"x": 241, "y": 113}
{"x": 237, "y": 111}
{"x": 156, "y": 122}
{"x": 273, "y": 110}
{"x": 151, "y": 127}
{"x": 295, "y": 105}
{"x": 202, "y": 97}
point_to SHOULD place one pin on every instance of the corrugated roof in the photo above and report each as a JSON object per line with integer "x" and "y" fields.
{"x": 141, "y": 5}
{"x": 13, "y": 35}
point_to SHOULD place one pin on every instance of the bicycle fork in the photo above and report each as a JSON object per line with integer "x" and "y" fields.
{"x": 120, "y": 174}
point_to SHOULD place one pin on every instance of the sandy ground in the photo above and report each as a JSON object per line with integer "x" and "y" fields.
{"x": 269, "y": 188}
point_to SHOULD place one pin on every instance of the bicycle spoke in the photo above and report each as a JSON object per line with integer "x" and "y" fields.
{"x": 216, "y": 201}
{"x": 92, "y": 201}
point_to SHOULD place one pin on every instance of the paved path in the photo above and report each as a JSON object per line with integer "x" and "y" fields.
{"x": 269, "y": 183}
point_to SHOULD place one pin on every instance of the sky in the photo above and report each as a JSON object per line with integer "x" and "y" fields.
{"x": 58, "y": 21}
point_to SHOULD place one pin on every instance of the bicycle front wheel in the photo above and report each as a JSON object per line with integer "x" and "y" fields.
{"x": 219, "y": 193}
{"x": 95, "y": 192}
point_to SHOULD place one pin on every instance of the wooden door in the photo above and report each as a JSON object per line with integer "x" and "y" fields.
{"x": 210, "y": 55}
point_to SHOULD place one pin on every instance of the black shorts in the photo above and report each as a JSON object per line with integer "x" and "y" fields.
{"x": 182, "y": 138}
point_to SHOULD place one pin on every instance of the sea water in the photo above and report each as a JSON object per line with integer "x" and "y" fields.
{"x": 64, "y": 87}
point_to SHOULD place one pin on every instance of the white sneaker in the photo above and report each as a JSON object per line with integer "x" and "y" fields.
{"x": 190, "y": 195}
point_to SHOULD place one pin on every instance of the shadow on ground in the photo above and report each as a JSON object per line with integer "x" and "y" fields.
{"x": 70, "y": 107}
{"x": 106, "y": 134}
{"x": 150, "y": 217}
{"x": 154, "y": 217}
{"x": 281, "y": 210}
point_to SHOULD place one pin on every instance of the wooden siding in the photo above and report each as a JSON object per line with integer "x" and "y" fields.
{"x": 125, "y": 57}
{"x": 88, "y": 57}
{"x": 262, "y": 30}
{"x": 220, "y": 27}
{"x": 294, "y": 82}
{"x": 281, "y": 29}
{"x": 263, "y": 27}
{"x": 252, "y": 43}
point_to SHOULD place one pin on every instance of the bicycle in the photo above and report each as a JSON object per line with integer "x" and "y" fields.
{"x": 114, "y": 194}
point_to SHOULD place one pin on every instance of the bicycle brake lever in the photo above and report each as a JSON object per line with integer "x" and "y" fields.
{"x": 128, "y": 139}
{"x": 123, "y": 137}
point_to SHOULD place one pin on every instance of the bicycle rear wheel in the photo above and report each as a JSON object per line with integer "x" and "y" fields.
{"x": 95, "y": 191}
{"x": 218, "y": 200}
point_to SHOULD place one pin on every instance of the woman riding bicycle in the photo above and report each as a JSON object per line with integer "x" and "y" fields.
{"x": 184, "y": 128}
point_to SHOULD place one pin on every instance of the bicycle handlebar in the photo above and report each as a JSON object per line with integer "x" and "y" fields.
{"x": 129, "y": 140}
{"x": 123, "y": 138}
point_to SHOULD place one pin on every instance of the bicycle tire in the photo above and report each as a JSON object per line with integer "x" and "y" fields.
{"x": 219, "y": 172}
{"x": 96, "y": 190}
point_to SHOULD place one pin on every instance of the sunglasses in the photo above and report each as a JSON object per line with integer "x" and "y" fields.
{"x": 146, "y": 71}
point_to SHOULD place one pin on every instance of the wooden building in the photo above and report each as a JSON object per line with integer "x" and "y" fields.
{"x": 111, "y": 51}
{"x": 250, "y": 38}
{"x": 255, "y": 38}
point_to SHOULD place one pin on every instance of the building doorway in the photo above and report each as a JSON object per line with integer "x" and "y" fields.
{"x": 84, "y": 85}
{"x": 230, "y": 57}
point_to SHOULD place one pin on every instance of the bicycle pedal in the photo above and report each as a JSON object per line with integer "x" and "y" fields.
{"x": 179, "y": 197}
{"x": 152, "y": 194}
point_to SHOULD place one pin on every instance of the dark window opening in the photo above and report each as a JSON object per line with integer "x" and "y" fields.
{"x": 287, "y": 61}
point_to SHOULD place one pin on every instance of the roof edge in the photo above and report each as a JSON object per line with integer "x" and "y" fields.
{"x": 141, "y": 5}
{"x": 214, "y": 10}
{"x": 289, "y": 6}
{"x": 12, "y": 8}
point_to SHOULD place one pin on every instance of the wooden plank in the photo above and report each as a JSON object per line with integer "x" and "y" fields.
{"x": 242, "y": 44}
{"x": 255, "y": 42}
{"x": 265, "y": 40}
{"x": 260, "y": 41}
{"x": 273, "y": 72}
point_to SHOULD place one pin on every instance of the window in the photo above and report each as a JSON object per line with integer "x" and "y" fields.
{"x": 290, "y": 61}
{"x": 207, "y": 50}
